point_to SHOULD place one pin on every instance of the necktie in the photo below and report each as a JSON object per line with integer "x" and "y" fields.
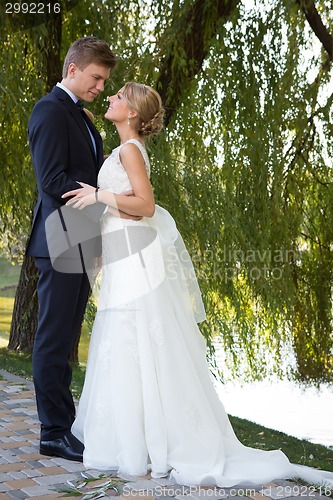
{"x": 80, "y": 106}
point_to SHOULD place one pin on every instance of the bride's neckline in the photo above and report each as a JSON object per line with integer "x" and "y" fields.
{"x": 132, "y": 139}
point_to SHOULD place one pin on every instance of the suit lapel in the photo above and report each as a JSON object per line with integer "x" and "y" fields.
{"x": 80, "y": 120}
{"x": 98, "y": 142}
{"x": 83, "y": 124}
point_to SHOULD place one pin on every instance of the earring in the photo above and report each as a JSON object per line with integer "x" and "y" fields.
{"x": 128, "y": 121}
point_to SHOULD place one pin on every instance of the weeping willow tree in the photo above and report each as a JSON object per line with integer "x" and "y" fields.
{"x": 255, "y": 131}
{"x": 244, "y": 164}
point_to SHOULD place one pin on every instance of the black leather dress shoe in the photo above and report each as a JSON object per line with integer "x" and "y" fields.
{"x": 68, "y": 447}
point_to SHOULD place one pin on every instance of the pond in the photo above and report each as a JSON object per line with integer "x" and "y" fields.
{"x": 306, "y": 413}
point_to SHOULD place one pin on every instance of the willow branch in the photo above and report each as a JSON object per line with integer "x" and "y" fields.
{"x": 185, "y": 45}
{"x": 317, "y": 25}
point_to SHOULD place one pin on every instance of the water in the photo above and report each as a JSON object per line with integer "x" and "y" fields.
{"x": 306, "y": 413}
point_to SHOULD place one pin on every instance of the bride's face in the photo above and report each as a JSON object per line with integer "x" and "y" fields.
{"x": 118, "y": 110}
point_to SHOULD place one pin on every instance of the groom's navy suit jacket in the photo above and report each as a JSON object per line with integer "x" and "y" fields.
{"x": 62, "y": 154}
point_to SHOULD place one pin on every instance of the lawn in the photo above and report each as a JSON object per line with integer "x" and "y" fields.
{"x": 9, "y": 276}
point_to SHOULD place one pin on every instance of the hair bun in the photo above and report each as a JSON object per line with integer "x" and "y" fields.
{"x": 153, "y": 126}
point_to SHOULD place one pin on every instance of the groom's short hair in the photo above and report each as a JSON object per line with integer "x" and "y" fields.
{"x": 87, "y": 50}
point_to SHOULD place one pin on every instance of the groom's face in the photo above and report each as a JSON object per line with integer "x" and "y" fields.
{"x": 88, "y": 83}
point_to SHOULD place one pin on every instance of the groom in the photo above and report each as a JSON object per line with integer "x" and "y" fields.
{"x": 65, "y": 148}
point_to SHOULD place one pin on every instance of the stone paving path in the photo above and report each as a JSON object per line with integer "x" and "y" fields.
{"x": 24, "y": 473}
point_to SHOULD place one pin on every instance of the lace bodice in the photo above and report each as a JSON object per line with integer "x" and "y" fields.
{"x": 113, "y": 176}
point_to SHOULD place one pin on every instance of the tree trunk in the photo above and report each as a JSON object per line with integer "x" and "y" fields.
{"x": 24, "y": 320}
{"x": 25, "y": 313}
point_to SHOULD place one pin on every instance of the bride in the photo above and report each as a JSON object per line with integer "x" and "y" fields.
{"x": 148, "y": 401}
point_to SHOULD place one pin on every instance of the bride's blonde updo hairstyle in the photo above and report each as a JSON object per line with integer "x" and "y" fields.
{"x": 148, "y": 105}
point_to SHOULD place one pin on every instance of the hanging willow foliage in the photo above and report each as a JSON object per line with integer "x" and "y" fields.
{"x": 252, "y": 148}
{"x": 244, "y": 164}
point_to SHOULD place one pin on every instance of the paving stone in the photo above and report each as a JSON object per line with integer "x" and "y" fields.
{"x": 70, "y": 466}
{"x": 17, "y": 494}
{"x": 16, "y": 426}
{"x": 13, "y": 466}
{"x": 34, "y": 464}
{"x": 8, "y": 445}
{"x": 16, "y": 475}
{"x": 136, "y": 495}
{"x": 257, "y": 496}
{"x": 29, "y": 457}
{"x": 94, "y": 473}
{"x": 144, "y": 484}
{"x": 56, "y": 479}
{"x": 28, "y": 449}
{"x": 47, "y": 462}
{"x": 13, "y": 388}
{"x": 18, "y": 484}
{"x": 63, "y": 462}
{"x": 51, "y": 496}
{"x": 166, "y": 497}
{"x": 48, "y": 471}
{"x": 20, "y": 432}
{"x": 38, "y": 491}
{"x": 128, "y": 477}
{"x": 18, "y": 401}
{"x": 32, "y": 421}
{"x": 17, "y": 439}
{"x": 32, "y": 473}
{"x": 177, "y": 489}
{"x": 162, "y": 481}
{"x": 3, "y": 488}
{"x": 215, "y": 493}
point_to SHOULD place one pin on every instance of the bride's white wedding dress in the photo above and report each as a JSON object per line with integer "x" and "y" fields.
{"x": 148, "y": 401}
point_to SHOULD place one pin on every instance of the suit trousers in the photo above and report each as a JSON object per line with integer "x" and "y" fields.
{"x": 62, "y": 298}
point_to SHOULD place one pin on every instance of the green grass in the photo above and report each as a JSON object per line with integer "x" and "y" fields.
{"x": 9, "y": 274}
{"x": 20, "y": 364}
{"x": 297, "y": 450}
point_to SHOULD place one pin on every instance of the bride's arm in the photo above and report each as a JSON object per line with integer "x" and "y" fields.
{"x": 141, "y": 203}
